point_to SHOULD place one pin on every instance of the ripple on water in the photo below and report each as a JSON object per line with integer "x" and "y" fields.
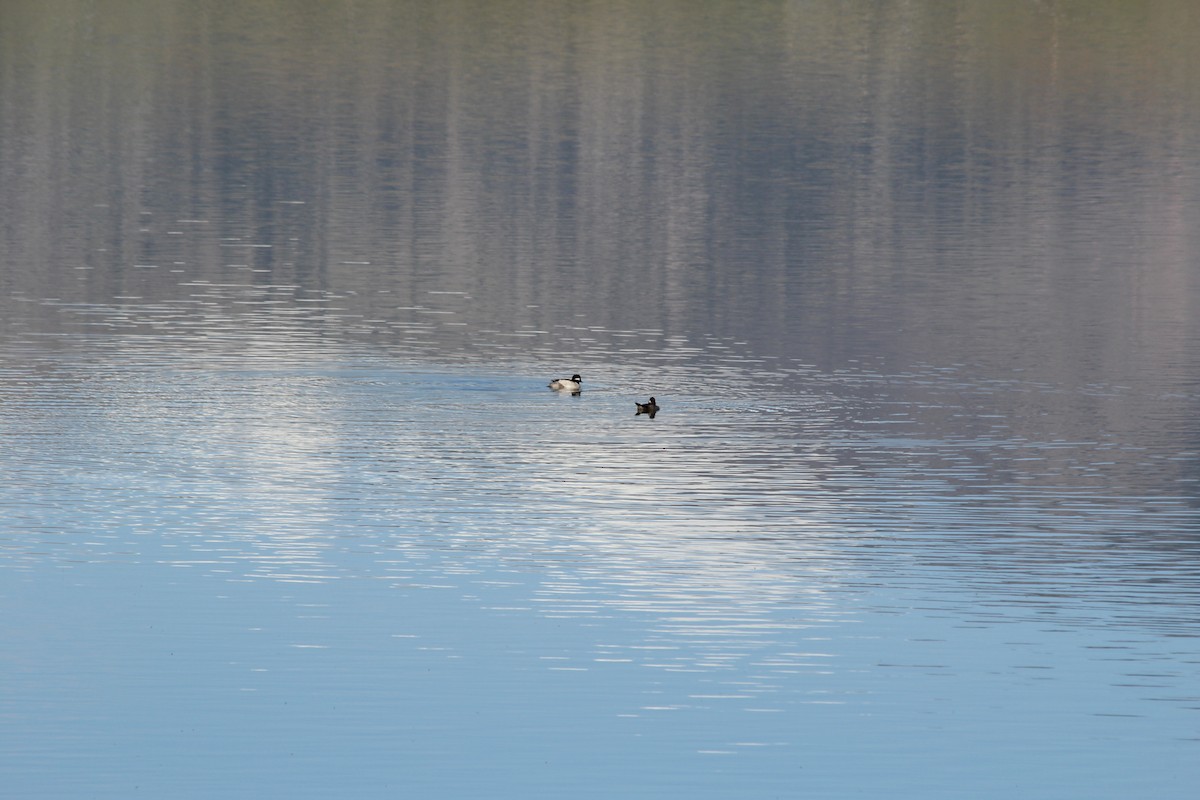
{"x": 761, "y": 546}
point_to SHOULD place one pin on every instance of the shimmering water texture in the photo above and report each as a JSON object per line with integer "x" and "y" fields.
{"x": 288, "y": 508}
{"x": 409, "y": 561}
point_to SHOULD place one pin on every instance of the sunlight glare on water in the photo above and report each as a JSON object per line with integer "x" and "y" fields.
{"x": 759, "y": 547}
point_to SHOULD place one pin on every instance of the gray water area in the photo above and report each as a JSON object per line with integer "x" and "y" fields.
{"x": 288, "y": 509}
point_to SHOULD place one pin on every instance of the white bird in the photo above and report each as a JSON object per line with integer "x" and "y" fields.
{"x": 572, "y": 384}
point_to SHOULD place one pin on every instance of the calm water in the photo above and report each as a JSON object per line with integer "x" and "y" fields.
{"x": 287, "y": 509}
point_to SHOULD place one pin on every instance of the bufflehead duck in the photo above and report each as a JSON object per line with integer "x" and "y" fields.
{"x": 572, "y": 384}
{"x": 650, "y": 408}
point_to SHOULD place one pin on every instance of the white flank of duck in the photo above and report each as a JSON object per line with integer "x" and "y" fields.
{"x": 571, "y": 384}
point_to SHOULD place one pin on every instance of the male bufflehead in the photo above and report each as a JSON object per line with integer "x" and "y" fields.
{"x": 572, "y": 384}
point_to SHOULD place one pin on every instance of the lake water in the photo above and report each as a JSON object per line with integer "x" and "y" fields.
{"x": 288, "y": 510}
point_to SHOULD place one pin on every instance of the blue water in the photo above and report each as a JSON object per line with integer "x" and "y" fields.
{"x": 288, "y": 509}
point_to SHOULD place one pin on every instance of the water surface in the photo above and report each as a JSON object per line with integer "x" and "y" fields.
{"x": 288, "y": 508}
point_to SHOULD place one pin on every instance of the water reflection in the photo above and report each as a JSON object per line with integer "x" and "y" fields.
{"x": 281, "y": 289}
{"x": 754, "y": 553}
{"x": 756, "y": 546}
{"x": 541, "y": 163}
{"x": 278, "y": 463}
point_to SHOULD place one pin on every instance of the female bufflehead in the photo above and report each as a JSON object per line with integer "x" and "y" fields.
{"x": 650, "y": 408}
{"x": 572, "y": 384}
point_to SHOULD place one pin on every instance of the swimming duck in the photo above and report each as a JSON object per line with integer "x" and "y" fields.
{"x": 572, "y": 384}
{"x": 650, "y": 408}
